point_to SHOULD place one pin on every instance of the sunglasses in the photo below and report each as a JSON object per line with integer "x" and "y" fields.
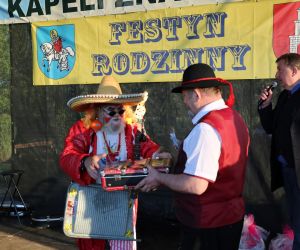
{"x": 114, "y": 112}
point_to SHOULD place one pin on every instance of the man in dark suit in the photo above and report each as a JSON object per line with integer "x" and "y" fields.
{"x": 283, "y": 122}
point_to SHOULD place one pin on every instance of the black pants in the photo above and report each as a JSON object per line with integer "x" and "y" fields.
{"x": 221, "y": 238}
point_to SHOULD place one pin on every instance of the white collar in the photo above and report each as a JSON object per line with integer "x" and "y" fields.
{"x": 215, "y": 105}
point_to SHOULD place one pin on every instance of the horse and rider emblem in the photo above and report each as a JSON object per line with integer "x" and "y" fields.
{"x": 56, "y": 50}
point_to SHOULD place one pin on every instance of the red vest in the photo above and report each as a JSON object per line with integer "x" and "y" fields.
{"x": 222, "y": 203}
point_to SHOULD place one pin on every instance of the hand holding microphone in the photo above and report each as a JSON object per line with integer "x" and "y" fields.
{"x": 265, "y": 94}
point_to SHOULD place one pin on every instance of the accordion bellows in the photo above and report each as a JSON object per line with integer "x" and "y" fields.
{"x": 91, "y": 212}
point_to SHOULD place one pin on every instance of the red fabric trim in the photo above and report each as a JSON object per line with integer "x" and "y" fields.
{"x": 231, "y": 99}
{"x": 90, "y": 244}
{"x": 202, "y": 79}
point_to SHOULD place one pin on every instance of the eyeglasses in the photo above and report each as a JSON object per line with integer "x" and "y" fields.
{"x": 114, "y": 112}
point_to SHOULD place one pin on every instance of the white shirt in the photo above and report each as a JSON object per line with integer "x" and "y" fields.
{"x": 112, "y": 141}
{"x": 203, "y": 145}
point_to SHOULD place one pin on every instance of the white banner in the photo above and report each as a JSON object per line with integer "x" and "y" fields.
{"x": 23, "y": 11}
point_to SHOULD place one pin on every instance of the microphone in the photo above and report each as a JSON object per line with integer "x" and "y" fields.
{"x": 271, "y": 87}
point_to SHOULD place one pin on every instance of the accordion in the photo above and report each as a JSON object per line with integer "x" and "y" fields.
{"x": 128, "y": 174}
{"x": 91, "y": 212}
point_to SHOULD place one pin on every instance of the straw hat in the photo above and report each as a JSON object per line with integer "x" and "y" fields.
{"x": 109, "y": 92}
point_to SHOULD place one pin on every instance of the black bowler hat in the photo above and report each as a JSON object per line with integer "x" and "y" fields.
{"x": 202, "y": 76}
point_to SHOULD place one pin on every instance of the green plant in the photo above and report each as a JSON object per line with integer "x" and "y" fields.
{"x": 5, "y": 137}
{"x": 5, "y": 118}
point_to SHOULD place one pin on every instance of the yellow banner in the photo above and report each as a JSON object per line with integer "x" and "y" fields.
{"x": 239, "y": 40}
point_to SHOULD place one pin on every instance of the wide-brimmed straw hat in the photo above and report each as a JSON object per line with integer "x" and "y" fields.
{"x": 109, "y": 92}
{"x": 202, "y": 76}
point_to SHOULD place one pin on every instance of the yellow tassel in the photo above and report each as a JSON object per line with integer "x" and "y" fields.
{"x": 73, "y": 192}
{"x": 68, "y": 227}
{"x": 129, "y": 234}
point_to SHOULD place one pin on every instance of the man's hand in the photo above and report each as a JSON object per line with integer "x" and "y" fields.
{"x": 163, "y": 155}
{"x": 92, "y": 165}
{"x": 151, "y": 182}
{"x": 266, "y": 97}
{"x": 182, "y": 183}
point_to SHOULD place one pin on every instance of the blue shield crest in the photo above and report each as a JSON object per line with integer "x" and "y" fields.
{"x": 56, "y": 50}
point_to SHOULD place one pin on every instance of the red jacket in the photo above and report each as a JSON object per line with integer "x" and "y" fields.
{"x": 77, "y": 146}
